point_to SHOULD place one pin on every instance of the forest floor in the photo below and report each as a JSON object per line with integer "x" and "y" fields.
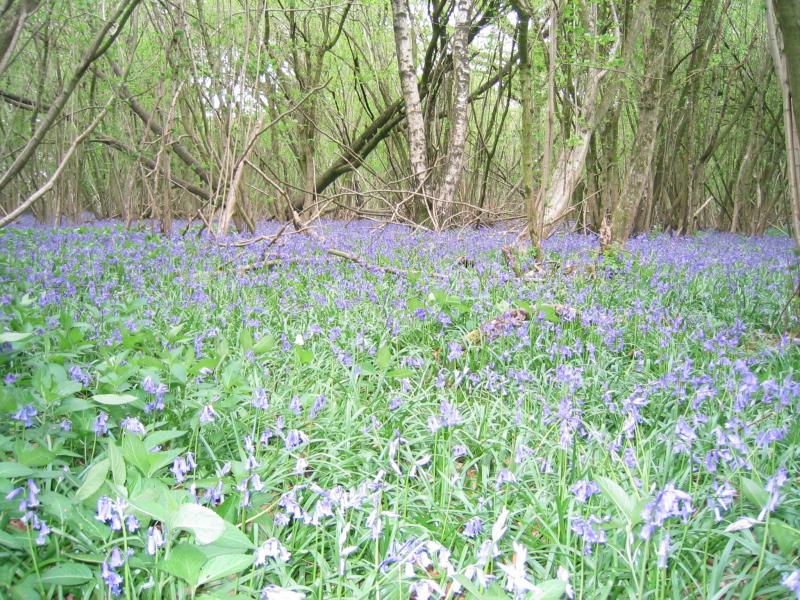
{"x": 183, "y": 416}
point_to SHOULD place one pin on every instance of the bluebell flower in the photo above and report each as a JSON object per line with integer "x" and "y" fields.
{"x": 25, "y": 415}
{"x": 585, "y": 528}
{"x": 774, "y": 484}
{"x": 319, "y": 404}
{"x": 271, "y": 549}
{"x": 473, "y": 527}
{"x": 460, "y": 451}
{"x": 207, "y": 414}
{"x": 669, "y": 502}
{"x": 516, "y": 573}
{"x": 662, "y": 552}
{"x": 296, "y": 406}
{"x": 792, "y": 582}
{"x": 503, "y": 477}
{"x": 722, "y": 499}
{"x": 275, "y": 592}
{"x": 295, "y": 439}
{"x": 133, "y": 425}
{"x": 260, "y": 399}
{"x": 155, "y": 540}
{"x": 584, "y": 489}
{"x": 100, "y": 425}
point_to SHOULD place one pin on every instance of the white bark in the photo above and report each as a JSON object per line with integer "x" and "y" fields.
{"x": 458, "y": 133}
{"x": 418, "y": 154}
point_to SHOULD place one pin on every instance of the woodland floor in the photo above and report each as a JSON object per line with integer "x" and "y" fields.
{"x": 183, "y": 416}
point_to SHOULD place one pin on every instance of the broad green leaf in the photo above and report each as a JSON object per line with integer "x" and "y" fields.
{"x": 265, "y": 344}
{"x": 246, "y": 339}
{"x": 552, "y": 589}
{"x": 754, "y": 492}
{"x": 135, "y": 453}
{"x": 222, "y": 566}
{"x": 159, "y": 460}
{"x": 383, "y": 357}
{"x": 304, "y": 356}
{"x": 161, "y": 437}
{"x": 36, "y": 456}
{"x": 67, "y": 573}
{"x": 118, "y": 470}
{"x": 114, "y": 399}
{"x": 788, "y": 539}
{"x": 184, "y": 562}
{"x": 9, "y": 337}
{"x": 15, "y": 542}
{"x": 625, "y": 503}
{"x": 232, "y": 541}
{"x": 94, "y": 478}
{"x": 204, "y": 523}
{"x": 9, "y": 470}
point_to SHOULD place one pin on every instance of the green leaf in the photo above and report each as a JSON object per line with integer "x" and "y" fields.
{"x": 114, "y": 399}
{"x": 9, "y": 337}
{"x": 222, "y": 566}
{"x": 232, "y": 541}
{"x": 184, "y": 562}
{"x": 36, "y": 456}
{"x": 178, "y": 371}
{"x": 754, "y": 492}
{"x": 159, "y": 460}
{"x": 68, "y": 573}
{"x": 94, "y": 478}
{"x": 788, "y": 539}
{"x": 552, "y": 589}
{"x": 161, "y": 437}
{"x": 135, "y": 453}
{"x": 383, "y": 357}
{"x": 204, "y": 523}
{"x": 246, "y": 339}
{"x": 15, "y": 542}
{"x": 625, "y": 503}
{"x": 9, "y": 470}
{"x": 118, "y": 470}
{"x": 265, "y": 344}
{"x": 304, "y": 356}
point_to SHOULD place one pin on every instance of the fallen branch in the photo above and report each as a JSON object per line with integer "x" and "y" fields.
{"x": 394, "y": 270}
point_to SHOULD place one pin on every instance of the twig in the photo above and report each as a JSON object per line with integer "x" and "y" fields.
{"x": 361, "y": 262}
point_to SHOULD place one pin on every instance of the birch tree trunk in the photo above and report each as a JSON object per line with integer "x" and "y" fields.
{"x": 458, "y": 134}
{"x": 416, "y": 128}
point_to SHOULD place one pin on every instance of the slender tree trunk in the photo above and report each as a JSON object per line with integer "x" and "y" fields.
{"x": 101, "y": 42}
{"x": 458, "y": 133}
{"x": 526, "y": 129}
{"x": 639, "y": 169}
{"x": 416, "y": 127}
{"x": 783, "y": 23}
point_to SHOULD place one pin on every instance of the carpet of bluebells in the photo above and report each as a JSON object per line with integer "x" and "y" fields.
{"x": 181, "y": 417}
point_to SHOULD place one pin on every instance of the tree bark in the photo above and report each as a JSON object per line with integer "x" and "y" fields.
{"x": 458, "y": 133}
{"x": 639, "y": 170}
{"x": 783, "y": 24}
{"x": 418, "y": 154}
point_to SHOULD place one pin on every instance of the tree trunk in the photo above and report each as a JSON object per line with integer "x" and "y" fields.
{"x": 644, "y": 144}
{"x": 416, "y": 128}
{"x": 458, "y": 133}
{"x": 783, "y": 23}
{"x": 526, "y": 130}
